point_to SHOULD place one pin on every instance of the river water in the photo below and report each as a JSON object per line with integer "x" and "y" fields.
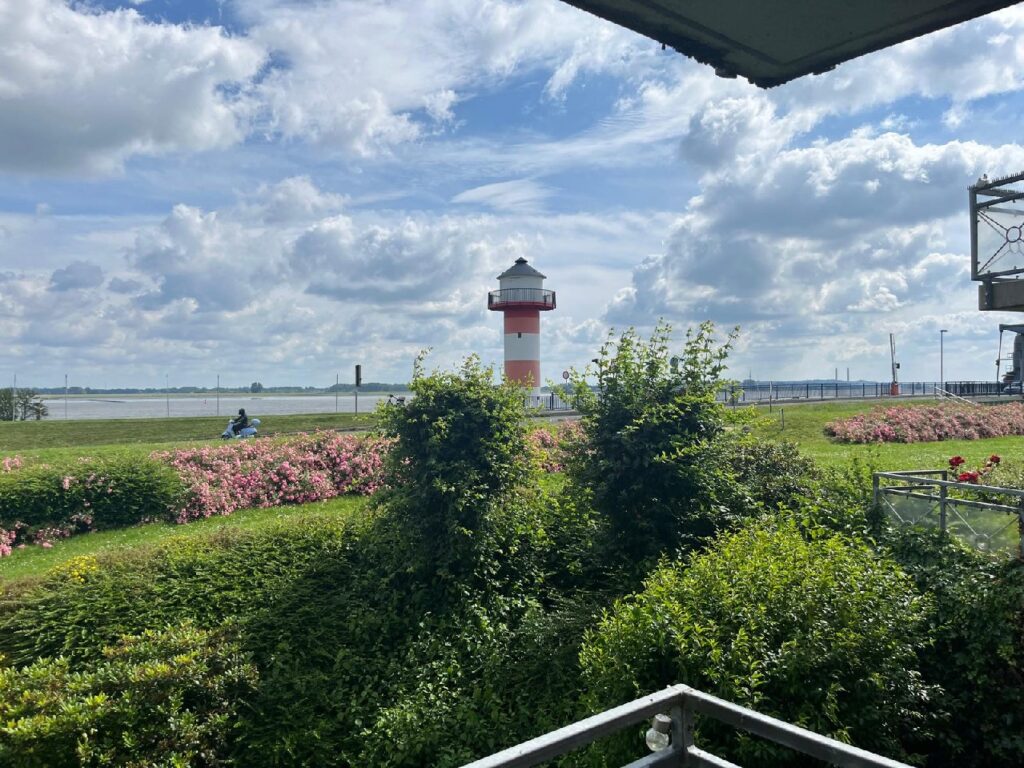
{"x": 151, "y": 407}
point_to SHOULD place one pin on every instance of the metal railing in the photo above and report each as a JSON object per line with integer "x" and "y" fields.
{"x": 539, "y": 298}
{"x": 923, "y": 498}
{"x": 682, "y": 703}
{"x": 842, "y": 390}
{"x": 945, "y": 394}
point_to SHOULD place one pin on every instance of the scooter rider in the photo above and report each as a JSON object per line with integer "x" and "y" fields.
{"x": 240, "y": 422}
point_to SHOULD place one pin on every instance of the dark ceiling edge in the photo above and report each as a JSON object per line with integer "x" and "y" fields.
{"x": 715, "y": 57}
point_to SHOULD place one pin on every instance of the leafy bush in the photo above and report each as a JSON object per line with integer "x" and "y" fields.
{"x": 774, "y": 474}
{"x": 927, "y": 423}
{"x": 458, "y": 460}
{"x": 975, "y": 649}
{"x": 651, "y": 463}
{"x": 90, "y": 494}
{"x": 769, "y": 620}
{"x": 161, "y": 698}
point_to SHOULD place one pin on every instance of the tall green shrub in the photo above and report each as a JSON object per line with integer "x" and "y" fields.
{"x": 974, "y": 652}
{"x": 821, "y": 633}
{"x": 651, "y": 461}
{"x": 457, "y": 465}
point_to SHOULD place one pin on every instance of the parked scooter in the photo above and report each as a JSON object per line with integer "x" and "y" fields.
{"x": 249, "y": 431}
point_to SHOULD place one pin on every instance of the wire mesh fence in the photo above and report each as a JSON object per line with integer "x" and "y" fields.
{"x": 989, "y": 518}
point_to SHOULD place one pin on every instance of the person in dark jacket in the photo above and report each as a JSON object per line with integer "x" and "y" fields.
{"x": 240, "y": 422}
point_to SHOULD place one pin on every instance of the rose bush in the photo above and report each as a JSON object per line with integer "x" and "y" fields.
{"x": 920, "y": 424}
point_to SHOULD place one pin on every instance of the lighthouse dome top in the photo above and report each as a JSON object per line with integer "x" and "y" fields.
{"x": 521, "y": 269}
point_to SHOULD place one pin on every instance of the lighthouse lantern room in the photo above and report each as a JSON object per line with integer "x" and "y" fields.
{"x": 522, "y": 297}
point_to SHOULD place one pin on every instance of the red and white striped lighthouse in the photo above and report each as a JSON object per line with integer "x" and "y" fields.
{"x": 521, "y": 297}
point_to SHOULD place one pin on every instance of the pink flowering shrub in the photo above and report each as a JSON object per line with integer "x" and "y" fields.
{"x": 920, "y": 424}
{"x": 41, "y": 504}
{"x": 7, "y": 542}
{"x": 549, "y": 448}
{"x": 265, "y": 473}
{"x": 10, "y": 463}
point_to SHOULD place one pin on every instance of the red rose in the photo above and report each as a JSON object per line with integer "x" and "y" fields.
{"x": 993, "y": 459}
{"x": 956, "y": 461}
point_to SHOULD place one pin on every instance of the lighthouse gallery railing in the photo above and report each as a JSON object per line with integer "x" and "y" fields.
{"x": 541, "y": 298}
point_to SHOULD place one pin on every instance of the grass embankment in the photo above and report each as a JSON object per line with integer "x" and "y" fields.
{"x": 43, "y": 438}
{"x": 805, "y": 425}
{"x": 34, "y": 561}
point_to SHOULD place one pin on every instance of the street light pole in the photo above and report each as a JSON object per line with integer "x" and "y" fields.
{"x": 942, "y": 373}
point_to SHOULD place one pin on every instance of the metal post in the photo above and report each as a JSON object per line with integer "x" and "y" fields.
{"x": 1020, "y": 528}
{"x": 942, "y": 373}
{"x": 337, "y": 386}
{"x": 65, "y": 396}
{"x": 218, "y": 394}
{"x": 167, "y": 392}
{"x": 875, "y": 491}
{"x": 682, "y": 731}
{"x": 942, "y": 507}
{"x": 782, "y": 414}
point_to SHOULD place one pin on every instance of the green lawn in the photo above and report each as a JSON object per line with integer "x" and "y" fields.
{"x": 36, "y": 437}
{"x": 33, "y": 561}
{"x": 804, "y": 425}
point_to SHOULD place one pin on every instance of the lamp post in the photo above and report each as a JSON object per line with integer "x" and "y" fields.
{"x": 942, "y": 375}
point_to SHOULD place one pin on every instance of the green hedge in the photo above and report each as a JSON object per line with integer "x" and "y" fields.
{"x": 96, "y": 493}
{"x": 822, "y": 633}
{"x": 162, "y": 698}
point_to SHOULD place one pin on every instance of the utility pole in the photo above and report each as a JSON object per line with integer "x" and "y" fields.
{"x": 894, "y": 389}
{"x": 942, "y": 373}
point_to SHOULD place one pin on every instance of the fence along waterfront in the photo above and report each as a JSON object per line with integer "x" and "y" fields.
{"x": 844, "y": 390}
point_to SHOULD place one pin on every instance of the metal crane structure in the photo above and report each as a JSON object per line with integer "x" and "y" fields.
{"x": 997, "y": 261}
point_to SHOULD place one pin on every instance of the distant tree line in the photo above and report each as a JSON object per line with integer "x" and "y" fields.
{"x": 20, "y": 405}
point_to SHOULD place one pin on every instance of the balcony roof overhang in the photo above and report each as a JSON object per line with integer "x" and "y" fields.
{"x": 770, "y": 42}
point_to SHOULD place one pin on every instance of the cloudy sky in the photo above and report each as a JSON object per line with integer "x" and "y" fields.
{"x": 276, "y": 190}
